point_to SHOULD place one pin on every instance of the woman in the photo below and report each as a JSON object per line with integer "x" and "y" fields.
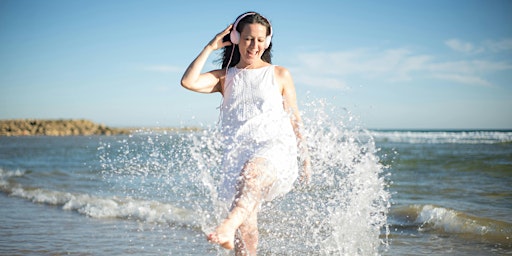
{"x": 260, "y": 126}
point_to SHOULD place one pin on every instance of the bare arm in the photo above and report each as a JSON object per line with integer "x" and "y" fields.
{"x": 208, "y": 82}
{"x": 285, "y": 80}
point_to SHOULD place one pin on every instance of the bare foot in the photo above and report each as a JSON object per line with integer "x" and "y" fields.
{"x": 224, "y": 235}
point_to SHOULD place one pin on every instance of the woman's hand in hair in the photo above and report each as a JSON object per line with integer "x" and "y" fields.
{"x": 217, "y": 42}
{"x": 208, "y": 82}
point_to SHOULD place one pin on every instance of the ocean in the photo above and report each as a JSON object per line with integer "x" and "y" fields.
{"x": 374, "y": 192}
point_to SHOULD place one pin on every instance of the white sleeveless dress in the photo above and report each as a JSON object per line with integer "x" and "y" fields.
{"x": 255, "y": 125}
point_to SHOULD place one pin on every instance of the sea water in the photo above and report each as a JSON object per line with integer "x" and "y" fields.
{"x": 373, "y": 192}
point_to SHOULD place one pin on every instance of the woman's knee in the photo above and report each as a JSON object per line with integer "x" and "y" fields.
{"x": 258, "y": 171}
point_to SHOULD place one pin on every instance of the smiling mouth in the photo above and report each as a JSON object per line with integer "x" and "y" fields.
{"x": 252, "y": 53}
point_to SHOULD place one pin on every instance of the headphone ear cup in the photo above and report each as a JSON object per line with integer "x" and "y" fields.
{"x": 267, "y": 41}
{"x": 234, "y": 36}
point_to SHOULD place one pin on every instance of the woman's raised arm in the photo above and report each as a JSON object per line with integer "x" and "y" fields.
{"x": 208, "y": 82}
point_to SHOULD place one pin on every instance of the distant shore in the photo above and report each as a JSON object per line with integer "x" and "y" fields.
{"x": 67, "y": 127}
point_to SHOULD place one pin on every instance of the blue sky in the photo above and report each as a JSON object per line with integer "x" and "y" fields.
{"x": 393, "y": 64}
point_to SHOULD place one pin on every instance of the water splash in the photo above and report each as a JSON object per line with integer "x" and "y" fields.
{"x": 343, "y": 211}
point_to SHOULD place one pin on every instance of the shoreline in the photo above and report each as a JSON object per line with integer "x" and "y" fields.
{"x": 69, "y": 127}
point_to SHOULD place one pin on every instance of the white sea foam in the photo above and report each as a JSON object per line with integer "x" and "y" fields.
{"x": 438, "y": 219}
{"x": 7, "y": 174}
{"x": 461, "y": 137}
{"x": 105, "y": 207}
{"x": 447, "y": 220}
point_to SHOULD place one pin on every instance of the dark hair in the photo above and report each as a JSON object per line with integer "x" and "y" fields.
{"x": 256, "y": 18}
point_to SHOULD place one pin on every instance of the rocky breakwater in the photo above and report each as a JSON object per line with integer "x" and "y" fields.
{"x": 28, "y": 127}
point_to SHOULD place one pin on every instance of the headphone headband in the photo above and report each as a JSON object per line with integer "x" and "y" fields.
{"x": 235, "y": 35}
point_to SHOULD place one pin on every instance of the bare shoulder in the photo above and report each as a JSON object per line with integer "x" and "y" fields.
{"x": 218, "y": 73}
{"x": 282, "y": 72}
{"x": 284, "y": 79}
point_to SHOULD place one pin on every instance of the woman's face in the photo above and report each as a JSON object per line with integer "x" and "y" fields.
{"x": 252, "y": 43}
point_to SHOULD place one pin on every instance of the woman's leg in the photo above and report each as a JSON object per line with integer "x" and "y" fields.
{"x": 247, "y": 242}
{"x": 255, "y": 180}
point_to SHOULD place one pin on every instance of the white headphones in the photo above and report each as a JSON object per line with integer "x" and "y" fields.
{"x": 234, "y": 36}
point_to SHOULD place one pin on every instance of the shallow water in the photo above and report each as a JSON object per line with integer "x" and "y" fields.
{"x": 373, "y": 192}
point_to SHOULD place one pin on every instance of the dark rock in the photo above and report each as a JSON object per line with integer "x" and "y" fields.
{"x": 61, "y": 127}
